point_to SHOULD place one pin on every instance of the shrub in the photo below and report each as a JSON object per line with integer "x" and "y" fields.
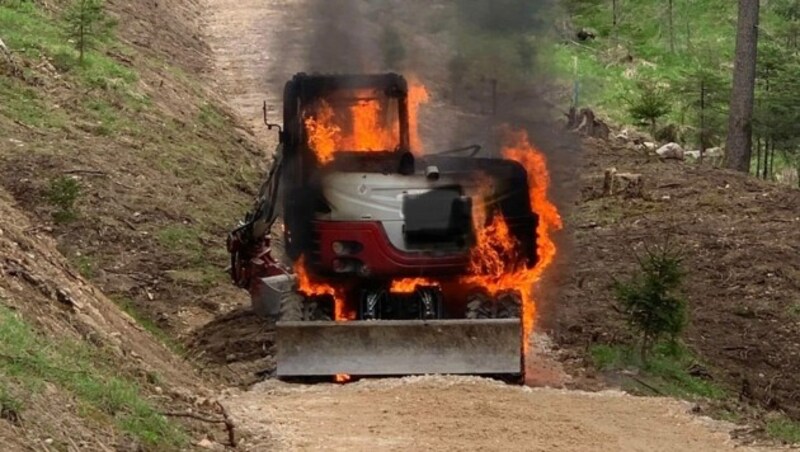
{"x": 10, "y": 406}
{"x": 650, "y": 299}
{"x": 649, "y": 105}
{"x": 62, "y": 194}
{"x": 86, "y": 24}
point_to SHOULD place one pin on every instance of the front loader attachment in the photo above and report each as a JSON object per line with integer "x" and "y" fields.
{"x": 399, "y": 347}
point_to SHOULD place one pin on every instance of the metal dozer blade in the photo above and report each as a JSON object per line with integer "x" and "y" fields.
{"x": 399, "y": 347}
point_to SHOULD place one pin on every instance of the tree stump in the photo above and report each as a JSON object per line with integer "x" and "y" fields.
{"x": 586, "y": 123}
{"x": 629, "y": 185}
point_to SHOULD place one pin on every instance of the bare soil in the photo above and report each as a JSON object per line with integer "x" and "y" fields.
{"x": 237, "y": 347}
{"x": 465, "y": 413}
{"x": 40, "y": 286}
{"x": 741, "y": 241}
{"x": 162, "y": 181}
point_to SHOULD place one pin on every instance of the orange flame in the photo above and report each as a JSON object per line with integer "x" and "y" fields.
{"x": 495, "y": 251}
{"x": 310, "y": 288}
{"x": 363, "y": 126}
{"x": 408, "y": 285}
{"x": 323, "y": 133}
{"x": 417, "y": 95}
{"x": 368, "y": 133}
{"x": 494, "y": 263}
{"x": 495, "y": 260}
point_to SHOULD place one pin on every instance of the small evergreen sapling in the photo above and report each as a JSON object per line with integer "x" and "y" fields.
{"x": 650, "y": 299}
{"x": 86, "y": 24}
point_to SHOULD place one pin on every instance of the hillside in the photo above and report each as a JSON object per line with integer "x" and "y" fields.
{"x": 679, "y": 54}
{"x": 740, "y": 239}
{"x": 156, "y": 169}
{"x": 120, "y": 177}
{"x": 74, "y": 369}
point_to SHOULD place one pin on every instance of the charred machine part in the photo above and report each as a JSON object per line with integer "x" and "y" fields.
{"x": 362, "y": 211}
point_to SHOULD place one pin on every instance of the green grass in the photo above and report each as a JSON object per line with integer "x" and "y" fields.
{"x": 156, "y": 331}
{"x": 784, "y": 429}
{"x": 100, "y": 71}
{"x": 11, "y": 407}
{"x": 62, "y": 194}
{"x": 103, "y": 114}
{"x": 36, "y": 34}
{"x": 30, "y": 31}
{"x": 211, "y": 117}
{"x": 22, "y": 103}
{"x": 183, "y": 241}
{"x": 607, "y": 69}
{"x": 603, "y": 87}
{"x": 85, "y": 265}
{"x": 198, "y": 260}
{"x": 666, "y": 369}
{"x": 201, "y": 277}
{"x": 31, "y": 360}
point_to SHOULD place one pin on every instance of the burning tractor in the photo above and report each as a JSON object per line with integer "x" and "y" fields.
{"x": 391, "y": 262}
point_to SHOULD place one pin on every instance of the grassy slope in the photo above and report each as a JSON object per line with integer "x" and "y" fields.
{"x": 30, "y": 362}
{"x": 162, "y": 170}
{"x": 159, "y": 172}
{"x": 704, "y": 37}
{"x": 702, "y": 29}
{"x": 73, "y": 367}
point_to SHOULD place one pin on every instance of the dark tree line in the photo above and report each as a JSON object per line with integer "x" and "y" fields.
{"x": 746, "y": 102}
{"x": 777, "y": 94}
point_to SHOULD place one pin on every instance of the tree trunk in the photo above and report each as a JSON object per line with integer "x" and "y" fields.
{"x": 758, "y": 156}
{"x": 797, "y": 168}
{"x": 771, "y": 158}
{"x": 644, "y": 350}
{"x": 81, "y": 45}
{"x": 688, "y": 30}
{"x": 671, "y": 26}
{"x": 703, "y": 133}
{"x": 740, "y": 123}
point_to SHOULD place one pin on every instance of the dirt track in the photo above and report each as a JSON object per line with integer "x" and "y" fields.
{"x": 431, "y": 413}
{"x": 465, "y": 413}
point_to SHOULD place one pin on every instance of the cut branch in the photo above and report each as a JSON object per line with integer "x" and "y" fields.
{"x": 195, "y": 416}
{"x": 230, "y": 427}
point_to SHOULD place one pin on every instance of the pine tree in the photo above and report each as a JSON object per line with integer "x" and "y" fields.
{"x": 86, "y": 24}
{"x": 649, "y": 105}
{"x": 740, "y": 123}
{"x": 704, "y": 94}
